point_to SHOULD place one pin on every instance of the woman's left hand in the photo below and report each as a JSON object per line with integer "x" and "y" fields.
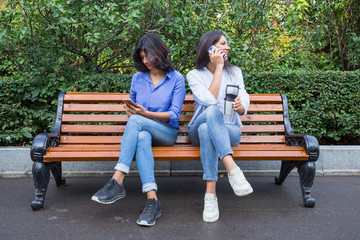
{"x": 237, "y": 105}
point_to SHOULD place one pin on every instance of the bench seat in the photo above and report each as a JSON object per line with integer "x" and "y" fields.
{"x": 112, "y": 152}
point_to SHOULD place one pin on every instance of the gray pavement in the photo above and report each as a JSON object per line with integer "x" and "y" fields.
{"x": 271, "y": 212}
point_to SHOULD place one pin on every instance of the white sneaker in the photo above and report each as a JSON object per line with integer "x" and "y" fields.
{"x": 238, "y": 182}
{"x": 211, "y": 208}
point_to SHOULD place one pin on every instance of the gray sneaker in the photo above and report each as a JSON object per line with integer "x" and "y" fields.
{"x": 109, "y": 193}
{"x": 150, "y": 213}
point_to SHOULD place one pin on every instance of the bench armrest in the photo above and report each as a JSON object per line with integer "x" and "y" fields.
{"x": 44, "y": 140}
{"x": 309, "y": 142}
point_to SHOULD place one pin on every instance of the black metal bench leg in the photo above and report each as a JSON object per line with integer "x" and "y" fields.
{"x": 41, "y": 176}
{"x": 286, "y": 167}
{"x": 307, "y": 174}
{"x": 56, "y": 170}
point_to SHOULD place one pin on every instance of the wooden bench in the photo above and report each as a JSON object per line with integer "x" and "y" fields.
{"x": 89, "y": 127}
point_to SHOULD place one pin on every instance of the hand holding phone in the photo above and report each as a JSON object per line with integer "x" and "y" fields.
{"x": 130, "y": 102}
{"x": 211, "y": 48}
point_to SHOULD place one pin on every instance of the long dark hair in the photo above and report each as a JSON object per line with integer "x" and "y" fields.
{"x": 202, "y": 55}
{"x": 156, "y": 51}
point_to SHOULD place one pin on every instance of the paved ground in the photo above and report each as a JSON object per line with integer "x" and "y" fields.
{"x": 271, "y": 212}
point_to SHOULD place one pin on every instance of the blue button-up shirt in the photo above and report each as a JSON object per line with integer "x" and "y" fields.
{"x": 168, "y": 96}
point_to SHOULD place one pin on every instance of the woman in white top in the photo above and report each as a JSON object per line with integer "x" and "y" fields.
{"x": 210, "y": 128}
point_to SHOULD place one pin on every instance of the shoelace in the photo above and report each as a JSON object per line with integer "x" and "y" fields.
{"x": 108, "y": 185}
{"x": 150, "y": 206}
{"x": 210, "y": 204}
{"x": 239, "y": 179}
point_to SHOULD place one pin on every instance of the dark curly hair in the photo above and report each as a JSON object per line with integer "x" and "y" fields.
{"x": 156, "y": 52}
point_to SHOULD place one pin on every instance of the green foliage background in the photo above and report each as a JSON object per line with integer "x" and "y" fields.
{"x": 308, "y": 50}
{"x": 53, "y": 36}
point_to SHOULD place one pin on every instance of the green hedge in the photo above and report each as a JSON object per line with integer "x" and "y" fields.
{"x": 28, "y": 105}
{"x": 323, "y": 104}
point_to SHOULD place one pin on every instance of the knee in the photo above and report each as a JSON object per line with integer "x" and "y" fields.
{"x": 134, "y": 119}
{"x": 203, "y": 130}
{"x": 213, "y": 111}
{"x": 144, "y": 136}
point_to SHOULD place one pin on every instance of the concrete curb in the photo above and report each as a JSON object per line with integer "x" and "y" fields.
{"x": 15, "y": 162}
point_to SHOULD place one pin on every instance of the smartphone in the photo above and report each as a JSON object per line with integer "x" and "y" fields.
{"x": 213, "y": 47}
{"x": 129, "y": 101}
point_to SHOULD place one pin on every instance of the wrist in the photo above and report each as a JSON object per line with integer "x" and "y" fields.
{"x": 146, "y": 113}
{"x": 240, "y": 109}
{"x": 219, "y": 65}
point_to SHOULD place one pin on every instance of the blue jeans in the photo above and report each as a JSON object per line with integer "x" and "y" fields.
{"x": 140, "y": 135}
{"x": 215, "y": 139}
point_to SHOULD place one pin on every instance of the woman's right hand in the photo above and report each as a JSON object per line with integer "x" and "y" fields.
{"x": 127, "y": 109}
{"x": 217, "y": 57}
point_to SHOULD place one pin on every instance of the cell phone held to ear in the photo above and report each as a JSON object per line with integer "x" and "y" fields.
{"x": 211, "y": 48}
{"x": 130, "y": 102}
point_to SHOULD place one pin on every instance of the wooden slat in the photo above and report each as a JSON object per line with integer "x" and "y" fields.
{"x": 91, "y": 118}
{"x": 117, "y": 118}
{"x": 183, "y": 140}
{"x": 95, "y": 97}
{"x": 84, "y": 148}
{"x": 185, "y": 108}
{"x": 92, "y": 128}
{"x": 262, "y": 139}
{"x": 180, "y": 139}
{"x": 106, "y": 139}
{"x": 271, "y": 155}
{"x": 241, "y": 147}
{"x": 109, "y": 118}
{"x": 189, "y": 98}
{"x": 182, "y": 129}
{"x": 86, "y": 97}
{"x": 103, "y": 129}
{"x": 262, "y": 118}
{"x": 93, "y": 108}
{"x": 190, "y": 154}
{"x": 265, "y": 98}
{"x": 265, "y": 108}
{"x": 116, "y": 147}
{"x": 90, "y": 139}
{"x": 263, "y": 129}
{"x": 185, "y": 118}
{"x": 109, "y": 108}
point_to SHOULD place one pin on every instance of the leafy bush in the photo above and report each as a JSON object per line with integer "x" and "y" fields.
{"x": 45, "y": 36}
{"x": 28, "y": 104}
{"x": 324, "y": 104}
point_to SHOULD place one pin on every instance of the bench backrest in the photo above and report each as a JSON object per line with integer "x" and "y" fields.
{"x": 100, "y": 118}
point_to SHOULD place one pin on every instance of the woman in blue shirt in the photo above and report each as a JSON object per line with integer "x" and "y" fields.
{"x": 158, "y": 91}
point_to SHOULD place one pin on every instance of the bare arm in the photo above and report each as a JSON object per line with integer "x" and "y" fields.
{"x": 216, "y": 67}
